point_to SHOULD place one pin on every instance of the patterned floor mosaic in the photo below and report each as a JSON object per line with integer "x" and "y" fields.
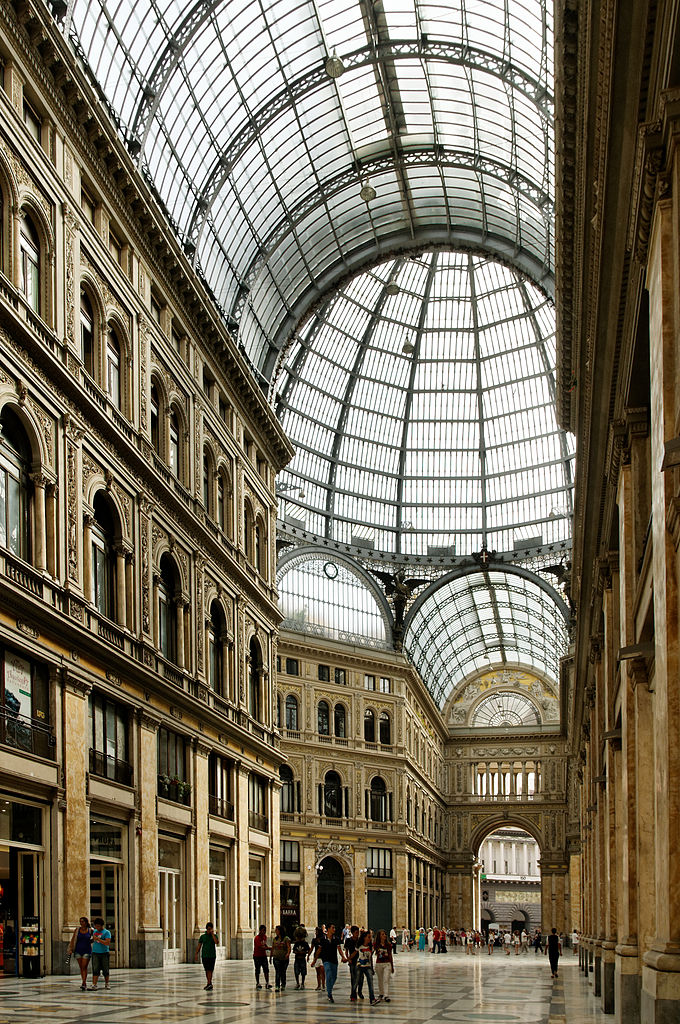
{"x": 425, "y": 989}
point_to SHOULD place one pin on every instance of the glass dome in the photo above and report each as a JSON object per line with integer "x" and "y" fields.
{"x": 420, "y": 400}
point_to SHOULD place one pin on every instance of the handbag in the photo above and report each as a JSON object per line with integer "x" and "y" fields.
{"x": 67, "y": 959}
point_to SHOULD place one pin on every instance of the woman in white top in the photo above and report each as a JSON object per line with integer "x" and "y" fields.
{"x": 405, "y": 940}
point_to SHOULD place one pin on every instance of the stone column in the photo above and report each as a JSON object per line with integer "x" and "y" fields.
{"x": 308, "y": 896}
{"x": 179, "y": 614}
{"x": 146, "y": 949}
{"x": 202, "y": 851}
{"x": 129, "y": 592}
{"x": 52, "y": 528}
{"x": 242, "y": 939}
{"x": 660, "y": 1000}
{"x": 87, "y": 557}
{"x": 76, "y": 744}
{"x": 275, "y": 855}
{"x": 121, "y": 601}
{"x": 40, "y": 534}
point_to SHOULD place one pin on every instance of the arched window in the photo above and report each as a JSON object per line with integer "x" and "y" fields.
{"x": 15, "y": 462}
{"x": 220, "y": 501}
{"x": 112, "y": 366}
{"x": 288, "y": 801}
{"x": 247, "y": 530}
{"x": 385, "y": 728}
{"x": 173, "y": 460}
{"x": 216, "y": 631}
{"x": 255, "y": 681}
{"x": 378, "y": 800}
{"x": 291, "y": 713}
{"x": 86, "y": 334}
{"x": 167, "y": 609}
{"x": 103, "y": 557}
{"x": 29, "y": 254}
{"x": 369, "y": 726}
{"x": 323, "y": 718}
{"x": 207, "y": 482}
{"x": 332, "y": 795}
{"x": 155, "y": 420}
{"x": 339, "y": 721}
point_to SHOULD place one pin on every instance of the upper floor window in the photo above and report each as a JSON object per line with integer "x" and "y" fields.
{"x": 369, "y": 682}
{"x": 155, "y": 422}
{"x": 216, "y": 632}
{"x": 291, "y": 713}
{"x": 113, "y": 366}
{"x": 339, "y": 721}
{"x": 289, "y": 794}
{"x": 332, "y": 795}
{"x": 219, "y": 786}
{"x": 385, "y": 727}
{"x": 32, "y": 121}
{"x": 290, "y": 855}
{"x": 29, "y": 255}
{"x": 88, "y": 205}
{"x": 15, "y": 462}
{"x": 369, "y": 726}
{"x": 340, "y": 676}
{"x": 102, "y": 533}
{"x": 379, "y": 862}
{"x": 167, "y": 609}
{"x": 292, "y": 667}
{"x": 115, "y": 247}
{"x": 172, "y": 766}
{"x": 257, "y": 803}
{"x": 378, "y": 800}
{"x": 324, "y": 673}
{"x": 174, "y": 443}
{"x": 323, "y": 718}
{"x": 109, "y": 739}
{"x": 255, "y": 680}
{"x": 86, "y": 334}
{"x": 385, "y": 684}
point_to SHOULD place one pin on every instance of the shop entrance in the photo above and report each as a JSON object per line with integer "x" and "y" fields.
{"x": 21, "y": 926}
{"x": 170, "y": 890}
{"x": 331, "y": 894}
{"x": 106, "y": 884}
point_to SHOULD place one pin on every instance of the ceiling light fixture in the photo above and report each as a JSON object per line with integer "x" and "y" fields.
{"x": 334, "y": 66}
{"x": 367, "y": 192}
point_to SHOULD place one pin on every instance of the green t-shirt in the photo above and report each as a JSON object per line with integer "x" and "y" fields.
{"x": 207, "y": 944}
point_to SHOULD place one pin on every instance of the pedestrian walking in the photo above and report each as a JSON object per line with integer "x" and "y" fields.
{"x": 352, "y": 955}
{"x": 101, "y": 943}
{"x": 554, "y": 950}
{"x": 328, "y": 954}
{"x": 384, "y": 964}
{"x": 206, "y": 949}
{"x": 81, "y": 946}
{"x": 365, "y": 965}
{"x": 316, "y": 946}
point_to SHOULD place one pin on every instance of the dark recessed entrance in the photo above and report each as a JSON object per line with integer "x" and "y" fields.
{"x": 331, "y": 894}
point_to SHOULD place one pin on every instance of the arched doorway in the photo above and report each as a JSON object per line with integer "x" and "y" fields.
{"x": 509, "y": 880}
{"x": 330, "y": 892}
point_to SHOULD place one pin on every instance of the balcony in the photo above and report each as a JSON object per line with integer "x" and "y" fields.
{"x": 30, "y": 735}
{"x": 107, "y": 767}
{"x": 258, "y": 821}
{"x": 174, "y": 789}
{"x": 220, "y": 807}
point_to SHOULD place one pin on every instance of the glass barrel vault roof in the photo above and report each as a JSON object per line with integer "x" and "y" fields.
{"x": 420, "y": 400}
{"x": 261, "y": 157}
{"x": 482, "y": 619}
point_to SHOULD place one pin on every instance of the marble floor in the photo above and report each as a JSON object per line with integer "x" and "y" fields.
{"x": 425, "y": 989}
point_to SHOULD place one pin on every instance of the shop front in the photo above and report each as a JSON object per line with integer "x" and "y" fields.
{"x": 107, "y": 882}
{"x": 171, "y": 885}
{"x": 22, "y": 919}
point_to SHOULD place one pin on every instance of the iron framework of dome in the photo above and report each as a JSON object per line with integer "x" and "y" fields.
{"x": 420, "y": 400}
{"x": 294, "y": 142}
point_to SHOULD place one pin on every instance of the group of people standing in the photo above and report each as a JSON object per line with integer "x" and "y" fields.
{"x": 365, "y": 954}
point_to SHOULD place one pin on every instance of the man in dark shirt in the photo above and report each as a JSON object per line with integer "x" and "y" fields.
{"x": 554, "y": 950}
{"x": 352, "y": 955}
{"x": 328, "y": 951}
